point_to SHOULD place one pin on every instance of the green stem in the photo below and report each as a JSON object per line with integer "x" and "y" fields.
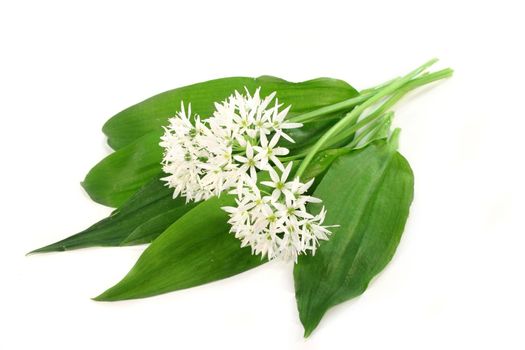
{"x": 370, "y": 118}
{"x": 356, "y": 112}
{"x": 290, "y": 158}
{"x": 354, "y": 128}
{"x": 377, "y": 87}
{"x": 336, "y": 107}
{"x": 398, "y": 95}
{"x": 428, "y": 78}
{"x": 367, "y": 93}
{"x": 385, "y": 123}
{"x": 411, "y": 85}
{"x": 371, "y": 129}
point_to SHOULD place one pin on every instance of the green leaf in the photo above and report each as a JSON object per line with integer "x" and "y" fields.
{"x": 196, "y": 249}
{"x": 368, "y": 193}
{"x": 118, "y": 176}
{"x": 144, "y": 216}
{"x": 321, "y": 163}
{"x": 152, "y": 228}
{"x": 153, "y": 113}
{"x": 152, "y": 201}
{"x": 123, "y": 172}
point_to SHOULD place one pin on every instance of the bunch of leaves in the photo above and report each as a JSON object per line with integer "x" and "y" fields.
{"x": 365, "y": 184}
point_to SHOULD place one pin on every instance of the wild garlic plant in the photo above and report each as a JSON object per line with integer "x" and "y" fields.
{"x": 280, "y": 190}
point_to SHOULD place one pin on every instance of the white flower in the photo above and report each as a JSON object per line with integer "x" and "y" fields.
{"x": 239, "y": 215}
{"x": 204, "y": 158}
{"x": 269, "y": 152}
{"x": 277, "y": 226}
{"x": 183, "y": 157}
{"x": 279, "y": 183}
{"x": 278, "y": 123}
{"x": 250, "y": 162}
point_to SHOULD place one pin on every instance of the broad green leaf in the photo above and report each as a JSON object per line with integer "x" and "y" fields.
{"x": 321, "y": 163}
{"x": 118, "y": 176}
{"x": 368, "y": 193}
{"x": 152, "y": 200}
{"x": 142, "y": 218}
{"x": 153, "y": 113}
{"x": 112, "y": 181}
{"x": 196, "y": 249}
{"x": 152, "y": 228}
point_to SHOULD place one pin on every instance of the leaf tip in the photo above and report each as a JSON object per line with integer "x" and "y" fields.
{"x": 48, "y": 249}
{"x": 307, "y": 332}
{"x": 114, "y": 293}
{"x": 309, "y": 327}
{"x": 394, "y": 138}
{"x": 98, "y": 298}
{"x": 309, "y": 319}
{"x": 104, "y": 296}
{"x": 31, "y": 252}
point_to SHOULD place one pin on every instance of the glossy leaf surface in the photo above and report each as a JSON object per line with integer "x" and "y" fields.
{"x": 118, "y": 176}
{"x": 152, "y": 200}
{"x": 153, "y": 113}
{"x": 368, "y": 193}
{"x": 151, "y": 229}
{"x": 137, "y": 130}
{"x": 196, "y": 249}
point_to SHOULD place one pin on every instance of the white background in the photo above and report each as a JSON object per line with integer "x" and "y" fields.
{"x": 457, "y": 280}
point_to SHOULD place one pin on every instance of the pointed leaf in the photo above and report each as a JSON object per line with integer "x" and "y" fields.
{"x": 151, "y": 229}
{"x": 368, "y": 193}
{"x": 196, "y": 249}
{"x": 152, "y": 200}
{"x": 153, "y": 113}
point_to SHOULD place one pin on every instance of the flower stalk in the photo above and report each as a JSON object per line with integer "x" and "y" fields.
{"x": 398, "y": 87}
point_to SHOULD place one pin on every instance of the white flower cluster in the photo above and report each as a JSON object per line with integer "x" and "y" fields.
{"x": 207, "y": 157}
{"x": 224, "y": 153}
{"x": 277, "y": 225}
